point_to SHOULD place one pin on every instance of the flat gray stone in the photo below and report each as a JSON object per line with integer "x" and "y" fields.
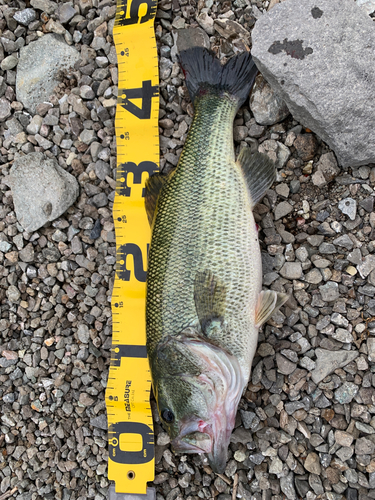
{"x": 25, "y": 16}
{"x": 327, "y": 169}
{"x": 5, "y": 109}
{"x": 191, "y": 37}
{"x": 306, "y": 51}
{"x": 348, "y": 206}
{"x": 366, "y": 266}
{"x": 100, "y": 422}
{"x": 344, "y": 241}
{"x": 291, "y": 270}
{"x": 328, "y": 361}
{"x": 282, "y": 209}
{"x": 287, "y": 486}
{"x": 45, "y": 5}
{"x": 42, "y": 190}
{"x": 346, "y": 392}
{"x": 329, "y": 291}
{"x": 38, "y": 67}
{"x": 66, "y": 12}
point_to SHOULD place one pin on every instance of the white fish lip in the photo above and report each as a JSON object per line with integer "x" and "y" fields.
{"x": 195, "y": 442}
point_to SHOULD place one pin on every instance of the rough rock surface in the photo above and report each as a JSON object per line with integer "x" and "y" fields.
{"x": 40, "y": 67}
{"x": 42, "y": 190}
{"x": 319, "y": 56}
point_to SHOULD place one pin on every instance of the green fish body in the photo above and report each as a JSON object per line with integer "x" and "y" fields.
{"x": 204, "y": 301}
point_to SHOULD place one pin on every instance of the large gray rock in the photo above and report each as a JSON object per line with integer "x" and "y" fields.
{"x": 42, "y": 190}
{"x": 319, "y": 56}
{"x": 38, "y": 68}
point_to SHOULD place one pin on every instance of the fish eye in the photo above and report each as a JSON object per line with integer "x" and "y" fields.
{"x": 167, "y": 415}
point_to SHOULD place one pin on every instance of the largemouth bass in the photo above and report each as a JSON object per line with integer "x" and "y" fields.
{"x": 204, "y": 300}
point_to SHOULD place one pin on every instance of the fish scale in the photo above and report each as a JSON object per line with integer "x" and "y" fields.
{"x": 204, "y": 221}
{"x": 204, "y": 302}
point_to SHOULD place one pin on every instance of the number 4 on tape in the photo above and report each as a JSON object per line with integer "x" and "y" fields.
{"x": 146, "y": 93}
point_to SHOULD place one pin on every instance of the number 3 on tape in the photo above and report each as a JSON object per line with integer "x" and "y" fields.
{"x": 130, "y": 429}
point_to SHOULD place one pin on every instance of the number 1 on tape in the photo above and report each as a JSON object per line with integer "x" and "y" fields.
{"x": 130, "y": 429}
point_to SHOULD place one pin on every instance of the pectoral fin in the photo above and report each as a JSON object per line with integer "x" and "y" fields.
{"x": 259, "y": 171}
{"x": 269, "y": 301}
{"x": 209, "y": 297}
{"x": 153, "y": 187}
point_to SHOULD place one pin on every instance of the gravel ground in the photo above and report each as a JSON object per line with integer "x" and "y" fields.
{"x": 306, "y": 425}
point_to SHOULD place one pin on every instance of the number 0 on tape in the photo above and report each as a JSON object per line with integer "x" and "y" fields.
{"x": 130, "y": 429}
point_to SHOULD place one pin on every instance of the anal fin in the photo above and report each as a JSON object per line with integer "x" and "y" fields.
{"x": 259, "y": 171}
{"x": 269, "y": 302}
{"x": 153, "y": 187}
{"x": 209, "y": 297}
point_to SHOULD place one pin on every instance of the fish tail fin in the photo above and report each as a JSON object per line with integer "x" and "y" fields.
{"x": 205, "y": 75}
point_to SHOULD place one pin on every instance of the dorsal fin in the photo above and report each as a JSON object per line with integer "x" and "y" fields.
{"x": 259, "y": 171}
{"x": 153, "y": 187}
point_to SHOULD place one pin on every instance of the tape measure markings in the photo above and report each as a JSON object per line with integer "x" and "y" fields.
{"x": 130, "y": 427}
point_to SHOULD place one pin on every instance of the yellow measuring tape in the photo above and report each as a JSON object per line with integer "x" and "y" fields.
{"x": 130, "y": 429}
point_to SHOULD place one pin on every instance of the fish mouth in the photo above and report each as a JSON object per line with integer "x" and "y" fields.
{"x": 195, "y": 442}
{"x": 222, "y": 384}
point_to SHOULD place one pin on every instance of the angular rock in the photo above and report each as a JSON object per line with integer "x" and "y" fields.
{"x": 366, "y": 266}
{"x": 306, "y": 146}
{"x": 287, "y": 486}
{"x": 344, "y": 241}
{"x": 44, "y": 5}
{"x": 66, "y": 12}
{"x": 328, "y": 361}
{"x": 291, "y": 46}
{"x": 291, "y": 270}
{"x": 5, "y": 109}
{"x": 42, "y": 190}
{"x": 346, "y": 392}
{"x": 266, "y": 105}
{"x": 284, "y": 208}
{"x": 326, "y": 171}
{"x": 100, "y": 422}
{"x": 25, "y": 16}
{"x": 329, "y": 291}
{"x": 364, "y": 446}
{"x": 312, "y": 463}
{"x": 206, "y": 22}
{"x": 343, "y": 438}
{"x": 371, "y": 348}
{"x": 193, "y": 37}
{"x": 276, "y": 150}
{"x": 348, "y": 206}
{"x": 285, "y": 366}
{"x": 38, "y": 68}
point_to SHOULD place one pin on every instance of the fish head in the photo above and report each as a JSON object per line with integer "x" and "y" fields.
{"x": 197, "y": 397}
